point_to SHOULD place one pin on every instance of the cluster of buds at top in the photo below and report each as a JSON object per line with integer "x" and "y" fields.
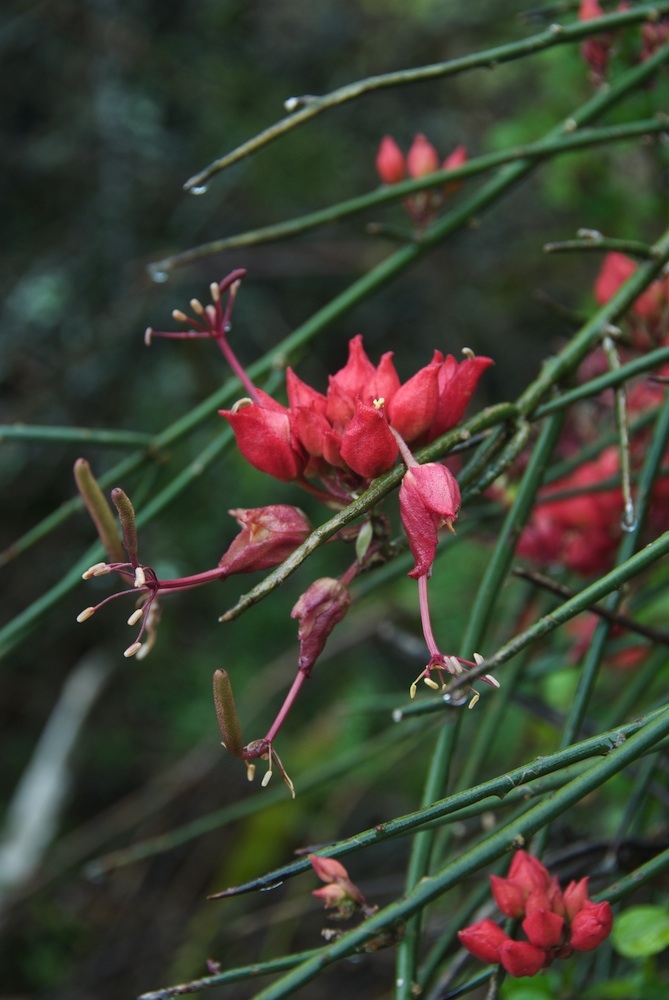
{"x": 339, "y": 892}
{"x": 556, "y": 923}
{"x": 422, "y": 160}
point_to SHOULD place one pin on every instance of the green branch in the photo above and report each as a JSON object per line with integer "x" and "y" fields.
{"x": 310, "y": 107}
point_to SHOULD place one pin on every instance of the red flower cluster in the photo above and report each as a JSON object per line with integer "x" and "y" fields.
{"x": 595, "y": 49}
{"x": 422, "y": 159}
{"x": 339, "y": 892}
{"x": 348, "y": 437}
{"x": 580, "y": 531}
{"x": 556, "y": 923}
{"x": 649, "y": 316}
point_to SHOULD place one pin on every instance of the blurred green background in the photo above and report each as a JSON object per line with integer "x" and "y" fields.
{"x": 108, "y": 108}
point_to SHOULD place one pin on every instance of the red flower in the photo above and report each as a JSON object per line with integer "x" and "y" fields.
{"x": 649, "y": 313}
{"x": 268, "y": 536}
{"x": 319, "y": 609}
{"x": 590, "y": 925}
{"x": 595, "y": 49}
{"x": 390, "y": 164}
{"x": 422, "y": 158}
{"x": 429, "y": 500}
{"x": 266, "y": 438}
{"x": 555, "y": 924}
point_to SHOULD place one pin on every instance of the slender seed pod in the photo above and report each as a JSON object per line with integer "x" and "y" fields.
{"x": 126, "y": 514}
{"x": 227, "y": 714}
{"x": 99, "y": 509}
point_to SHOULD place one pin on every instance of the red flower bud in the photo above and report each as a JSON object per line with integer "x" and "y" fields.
{"x": 339, "y": 891}
{"x": 591, "y": 925}
{"x": 268, "y": 536}
{"x": 368, "y": 446}
{"x": 529, "y": 872}
{"x": 543, "y": 927}
{"x": 429, "y": 500}
{"x": 422, "y": 158}
{"x": 484, "y": 940}
{"x": 390, "y": 164}
{"x": 575, "y": 896}
{"x": 521, "y": 959}
{"x": 456, "y": 159}
{"x": 509, "y": 896}
{"x": 319, "y": 609}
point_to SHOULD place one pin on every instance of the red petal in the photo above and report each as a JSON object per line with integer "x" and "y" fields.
{"x": 368, "y": 446}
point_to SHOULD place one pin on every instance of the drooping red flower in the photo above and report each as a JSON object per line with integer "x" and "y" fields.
{"x": 266, "y": 437}
{"x": 429, "y": 500}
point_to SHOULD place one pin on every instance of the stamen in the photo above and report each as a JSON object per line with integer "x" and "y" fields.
{"x": 210, "y": 314}
{"x": 430, "y": 683}
{"x": 475, "y": 698}
{"x": 179, "y": 316}
{"x": 491, "y": 680}
{"x": 250, "y": 769}
{"x": 135, "y": 616}
{"x": 97, "y": 570}
{"x": 215, "y": 292}
{"x": 197, "y": 307}
{"x": 86, "y": 613}
{"x": 140, "y": 577}
{"x": 244, "y": 401}
{"x": 454, "y": 665}
{"x": 478, "y": 659}
{"x": 468, "y": 353}
{"x": 378, "y": 403}
{"x": 412, "y": 690}
{"x": 132, "y": 650}
{"x": 148, "y": 334}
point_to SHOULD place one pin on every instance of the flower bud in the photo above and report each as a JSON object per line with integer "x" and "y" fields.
{"x": 390, "y": 164}
{"x": 521, "y": 959}
{"x": 543, "y": 927}
{"x": 368, "y": 446}
{"x": 456, "y": 159}
{"x": 484, "y": 940}
{"x": 509, "y": 896}
{"x": 575, "y": 897}
{"x": 422, "y": 158}
{"x": 529, "y": 872}
{"x": 268, "y": 536}
{"x": 591, "y": 925}
{"x": 319, "y": 609}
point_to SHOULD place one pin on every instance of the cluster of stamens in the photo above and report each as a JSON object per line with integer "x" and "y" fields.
{"x": 144, "y": 581}
{"x": 453, "y": 666}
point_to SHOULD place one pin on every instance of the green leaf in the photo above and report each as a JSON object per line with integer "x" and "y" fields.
{"x": 641, "y": 931}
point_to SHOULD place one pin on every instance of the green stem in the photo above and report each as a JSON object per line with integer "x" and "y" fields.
{"x": 489, "y": 58}
{"x": 471, "y": 861}
{"x": 566, "y": 143}
{"x": 498, "y": 787}
{"x": 613, "y": 580}
{"x": 595, "y": 241}
{"x": 80, "y": 435}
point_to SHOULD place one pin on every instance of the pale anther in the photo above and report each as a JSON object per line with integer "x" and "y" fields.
{"x": 430, "y": 683}
{"x": 197, "y": 306}
{"x": 475, "y": 698}
{"x": 92, "y": 570}
{"x": 140, "y": 577}
{"x": 250, "y": 770}
{"x": 468, "y": 353}
{"x": 478, "y": 659}
{"x": 492, "y": 680}
{"x": 132, "y": 650}
{"x": 86, "y": 613}
{"x": 215, "y": 291}
{"x": 135, "y": 616}
{"x": 244, "y": 401}
{"x": 148, "y": 333}
{"x": 179, "y": 316}
{"x": 378, "y": 403}
{"x": 266, "y": 778}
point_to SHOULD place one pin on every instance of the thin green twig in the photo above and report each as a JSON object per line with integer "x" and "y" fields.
{"x": 309, "y": 107}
